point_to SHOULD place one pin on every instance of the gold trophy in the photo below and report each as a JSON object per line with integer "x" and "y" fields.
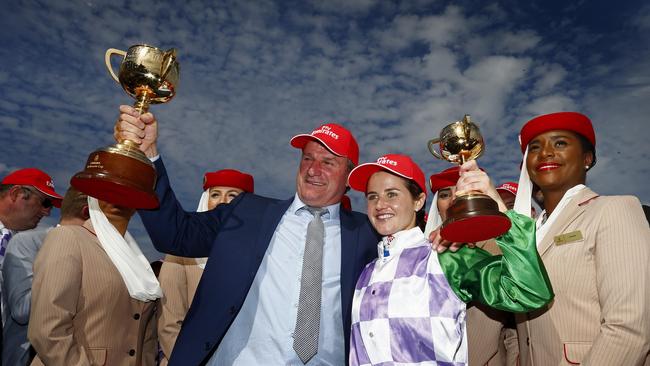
{"x": 121, "y": 173}
{"x": 472, "y": 216}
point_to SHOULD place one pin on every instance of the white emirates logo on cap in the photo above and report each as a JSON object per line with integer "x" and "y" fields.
{"x": 509, "y": 187}
{"x": 50, "y": 184}
{"x": 326, "y": 130}
{"x": 386, "y": 161}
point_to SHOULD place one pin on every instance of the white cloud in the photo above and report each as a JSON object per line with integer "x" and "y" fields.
{"x": 545, "y": 104}
{"x": 549, "y": 76}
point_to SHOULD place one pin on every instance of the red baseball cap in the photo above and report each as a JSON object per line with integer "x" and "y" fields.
{"x": 445, "y": 178}
{"x": 334, "y": 137}
{"x": 509, "y": 187}
{"x": 571, "y": 121}
{"x": 37, "y": 179}
{"x": 229, "y": 178}
{"x": 400, "y": 165}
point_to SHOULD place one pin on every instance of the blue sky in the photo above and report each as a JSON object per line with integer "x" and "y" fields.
{"x": 254, "y": 73}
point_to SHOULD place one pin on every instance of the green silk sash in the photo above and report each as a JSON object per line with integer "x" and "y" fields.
{"x": 515, "y": 281}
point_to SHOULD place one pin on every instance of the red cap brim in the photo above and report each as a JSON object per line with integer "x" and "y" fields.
{"x": 299, "y": 141}
{"x": 56, "y": 198}
{"x": 359, "y": 176}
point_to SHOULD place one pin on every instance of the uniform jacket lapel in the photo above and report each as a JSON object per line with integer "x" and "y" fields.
{"x": 571, "y": 212}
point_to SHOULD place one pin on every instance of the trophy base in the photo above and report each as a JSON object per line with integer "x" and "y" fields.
{"x": 120, "y": 174}
{"x": 472, "y": 218}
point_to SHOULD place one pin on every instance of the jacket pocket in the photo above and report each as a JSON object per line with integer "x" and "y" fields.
{"x": 574, "y": 352}
{"x": 97, "y": 356}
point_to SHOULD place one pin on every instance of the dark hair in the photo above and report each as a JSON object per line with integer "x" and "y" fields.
{"x": 587, "y": 147}
{"x": 416, "y": 191}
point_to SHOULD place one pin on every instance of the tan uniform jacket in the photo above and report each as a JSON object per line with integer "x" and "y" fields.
{"x": 597, "y": 254}
{"x": 490, "y": 342}
{"x": 81, "y": 311}
{"x": 179, "y": 277}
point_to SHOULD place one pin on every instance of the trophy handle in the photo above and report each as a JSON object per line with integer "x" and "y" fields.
{"x": 168, "y": 60}
{"x": 107, "y": 58}
{"x": 432, "y": 150}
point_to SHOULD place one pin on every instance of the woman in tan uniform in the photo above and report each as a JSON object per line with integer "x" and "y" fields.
{"x": 179, "y": 277}
{"x": 595, "y": 248}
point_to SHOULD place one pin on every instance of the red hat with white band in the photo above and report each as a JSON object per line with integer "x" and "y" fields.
{"x": 334, "y": 137}
{"x": 37, "y": 179}
{"x": 397, "y": 164}
{"x": 229, "y": 178}
{"x": 509, "y": 187}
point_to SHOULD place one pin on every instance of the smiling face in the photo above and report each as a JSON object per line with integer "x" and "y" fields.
{"x": 556, "y": 161}
{"x": 221, "y": 194}
{"x": 391, "y": 207}
{"x": 322, "y": 176}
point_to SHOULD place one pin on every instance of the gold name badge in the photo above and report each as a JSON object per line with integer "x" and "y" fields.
{"x": 568, "y": 238}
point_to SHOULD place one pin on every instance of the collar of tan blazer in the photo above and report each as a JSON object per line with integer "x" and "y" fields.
{"x": 571, "y": 212}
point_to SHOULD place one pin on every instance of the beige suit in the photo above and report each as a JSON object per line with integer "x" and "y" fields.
{"x": 489, "y": 341}
{"x": 597, "y": 255}
{"x": 81, "y": 312}
{"x": 179, "y": 277}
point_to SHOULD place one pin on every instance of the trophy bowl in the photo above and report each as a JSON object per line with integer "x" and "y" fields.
{"x": 146, "y": 70}
{"x": 121, "y": 174}
{"x": 472, "y": 216}
{"x": 458, "y": 142}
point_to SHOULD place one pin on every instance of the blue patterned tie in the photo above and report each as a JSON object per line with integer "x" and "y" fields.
{"x": 305, "y": 335}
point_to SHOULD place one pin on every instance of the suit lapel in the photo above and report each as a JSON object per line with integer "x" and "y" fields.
{"x": 349, "y": 245}
{"x": 570, "y": 213}
{"x": 271, "y": 218}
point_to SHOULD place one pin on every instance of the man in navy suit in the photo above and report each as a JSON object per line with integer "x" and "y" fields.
{"x": 244, "y": 311}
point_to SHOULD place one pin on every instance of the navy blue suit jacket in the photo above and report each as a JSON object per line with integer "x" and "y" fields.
{"x": 235, "y": 238}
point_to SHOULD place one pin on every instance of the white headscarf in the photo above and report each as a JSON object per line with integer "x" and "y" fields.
{"x": 523, "y": 199}
{"x": 434, "y": 220}
{"x": 203, "y": 202}
{"x": 126, "y": 255}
